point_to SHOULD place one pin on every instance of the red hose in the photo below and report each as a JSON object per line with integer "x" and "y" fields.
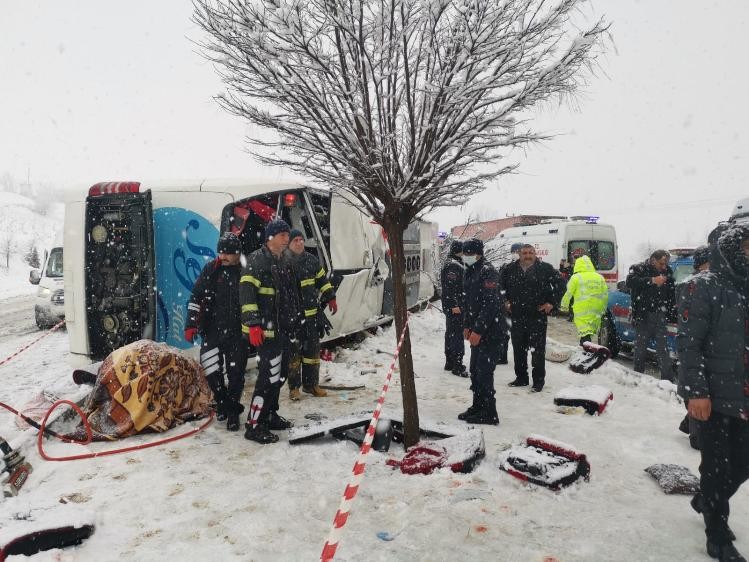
{"x": 40, "y": 437}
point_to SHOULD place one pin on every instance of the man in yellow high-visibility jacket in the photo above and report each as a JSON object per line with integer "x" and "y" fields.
{"x": 591, "y": 295}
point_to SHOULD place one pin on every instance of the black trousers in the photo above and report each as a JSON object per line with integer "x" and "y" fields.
{"x": 724, "y": 467}
{"x": 274, "y": 358}
{"x": 529, "y": 334}
{"x": 221, "y": 360}
{"x": 305, "y": 370}
{"x": 484, "y": 359}
{"x": 454, "y": 346}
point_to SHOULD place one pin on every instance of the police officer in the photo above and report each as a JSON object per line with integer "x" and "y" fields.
{"x": 271, "y": 316}
{"x": 483, "y": 324}
{"x": 451, "y": 278}
{"x": 213, "y": 312}
{"x": 315, "y": 287}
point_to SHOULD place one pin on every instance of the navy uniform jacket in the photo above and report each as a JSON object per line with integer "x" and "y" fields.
{"x": 451, "y": 279}
{"x": 483, "y": 300}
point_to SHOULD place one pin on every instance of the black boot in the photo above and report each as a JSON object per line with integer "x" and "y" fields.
{"x": 260, "y": 434}
{"x": 278, "y": 423}
{"x": 519, "y": 382}
{"x": 472, "y": 409}
{"x": 698, "y": 504}
{"x": 218, "y": 388}
{"x": 448, "y": 365}
{"x": 233, "y": 410}
{"x": 483, "y": 417}
{"x": 460, "y": 371}
{"x": 724, "y": 552}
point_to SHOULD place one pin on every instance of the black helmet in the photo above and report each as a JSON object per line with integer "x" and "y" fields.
{"x": 229, "y": 244}
{"x": 456, "y": 247}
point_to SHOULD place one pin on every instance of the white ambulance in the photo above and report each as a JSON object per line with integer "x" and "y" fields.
{"x": 49, "y": 303}
{"x": 559, "y": 240}
{"x": 133, "y": 251}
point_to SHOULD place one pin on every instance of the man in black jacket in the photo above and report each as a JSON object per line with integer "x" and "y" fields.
{"x": 451, "y": 279}
{"x": 483, "y": 325}
{"x": 532, "y": 289}
{"x": 652, "y": 290}
{"x": 315, "y": 288}
{"x": 213, "y": 312}
{"x": 713, "y": 345}
{"x": 271, "y": 316}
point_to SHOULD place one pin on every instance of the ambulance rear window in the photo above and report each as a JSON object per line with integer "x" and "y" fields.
{"x": 602, "y": 253}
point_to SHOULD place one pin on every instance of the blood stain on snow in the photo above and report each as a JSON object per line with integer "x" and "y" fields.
{"x": 481, "y": 528}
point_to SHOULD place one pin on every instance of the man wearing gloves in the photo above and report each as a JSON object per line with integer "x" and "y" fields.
{"x": 591, "y": 295}
{"x": 271, "y": 316}
{"x": 315, "y": 288}
{"x": 451, "y": 279}
{"x": 713, "y": 346}
{"x": 484, "y": 320}
{"x": 213, "y": 312}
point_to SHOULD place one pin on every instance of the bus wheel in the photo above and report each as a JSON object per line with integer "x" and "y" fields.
{"x": 607, "y": 335}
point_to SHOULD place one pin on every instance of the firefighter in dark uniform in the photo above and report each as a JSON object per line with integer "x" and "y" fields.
{"x": 451, "y": 278}
{"x": 271, "y": 316}
{"x": 315, "y": 288}
{"x": 213, "y": 312}
{"x": 484, "y": 322}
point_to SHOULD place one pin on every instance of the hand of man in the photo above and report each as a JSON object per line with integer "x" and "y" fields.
{"x": 474, "y": 339}
{"x": 256, "y": 336}
{"x": 455, "y": 310}
{"x": 190, "y": 334}
{"x": 508, "y": 306}
{"x": 700, "y": 408}
{"x": 659, "y": 280}
{"x": 546, "y": 308}
{"x": 466, "y": 333}
{"x": 333, "y": 306}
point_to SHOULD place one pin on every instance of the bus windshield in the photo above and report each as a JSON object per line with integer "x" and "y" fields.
{"x": 601, "y": 252}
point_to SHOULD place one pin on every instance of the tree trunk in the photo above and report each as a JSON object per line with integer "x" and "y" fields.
{"x": 394, "y": 232}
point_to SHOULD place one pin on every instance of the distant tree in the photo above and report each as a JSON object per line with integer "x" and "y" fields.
{"x": 400, "y": 106}
{"x": 8, "y": 246}
{"x": 32, "y": 257}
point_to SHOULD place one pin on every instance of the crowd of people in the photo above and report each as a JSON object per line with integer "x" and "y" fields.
{"x": 275, "y": 302}
{"x": 711, "y": 309}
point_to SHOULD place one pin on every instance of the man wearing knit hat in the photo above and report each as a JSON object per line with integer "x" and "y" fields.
{"x": 712, "y": 343}
{"x": 271, "y": 317}
{"x": 315, "y": 288}
{"x": 213, "y": 312}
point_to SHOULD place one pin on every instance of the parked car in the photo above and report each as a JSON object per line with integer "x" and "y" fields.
{"x": 49, "y": 305}
{"x": 617, "y": 332}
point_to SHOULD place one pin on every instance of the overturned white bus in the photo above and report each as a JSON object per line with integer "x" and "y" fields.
{"x": 133, "y": 251}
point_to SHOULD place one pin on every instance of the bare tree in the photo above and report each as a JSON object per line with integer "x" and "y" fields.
{"x": 401, "y": 105}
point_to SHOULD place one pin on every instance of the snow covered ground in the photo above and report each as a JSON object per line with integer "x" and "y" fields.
{"x": 220, "y": 497}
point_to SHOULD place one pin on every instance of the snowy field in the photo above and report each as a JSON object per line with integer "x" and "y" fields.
{"x": 220, "y": 497}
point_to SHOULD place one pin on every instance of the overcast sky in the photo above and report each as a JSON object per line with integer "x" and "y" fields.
{"x": 656, "y": 145}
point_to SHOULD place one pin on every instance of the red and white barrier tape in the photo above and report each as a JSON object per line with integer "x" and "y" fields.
{"x": 341, "y": 516}
{"x": 24, "y": 348}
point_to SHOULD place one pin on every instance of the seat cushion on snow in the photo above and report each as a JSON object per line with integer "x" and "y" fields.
{"x": 674, "y": 478}
{"x": 546, "y": 462}
{"x": 593, "y": 398}
{"x": 460, "y": 453}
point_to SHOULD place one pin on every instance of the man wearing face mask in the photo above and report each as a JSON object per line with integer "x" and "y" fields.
{"x": 451, "y": 279}
{"x": 652, "y": 288}
{"x": 483, "y": 321}
{"x": 213, "y": 312}
{"x": 713, "y": 346}
{"x": 533, "y": 289}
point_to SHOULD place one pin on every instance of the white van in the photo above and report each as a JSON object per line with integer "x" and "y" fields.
{"x": 49, "y": 303}
{"x": 133, "y": 252}
{"x": 563, "y": 240}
